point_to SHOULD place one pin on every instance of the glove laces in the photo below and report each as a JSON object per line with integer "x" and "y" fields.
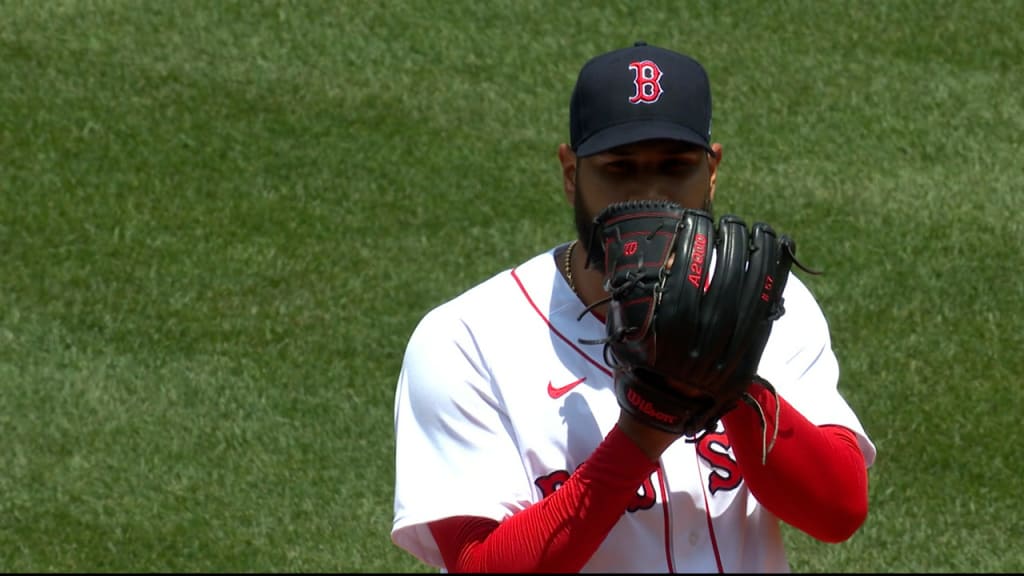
{"x": 766, "y": 446}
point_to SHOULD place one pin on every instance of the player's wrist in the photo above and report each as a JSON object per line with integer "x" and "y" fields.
{"x": 651, "y": 440}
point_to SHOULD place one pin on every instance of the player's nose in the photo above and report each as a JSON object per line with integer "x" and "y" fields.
{"x": 655, "y": 189}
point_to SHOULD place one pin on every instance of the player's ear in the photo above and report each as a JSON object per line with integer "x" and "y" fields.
{"x": 567, "y": 158}
{"x": 714, "y": 159}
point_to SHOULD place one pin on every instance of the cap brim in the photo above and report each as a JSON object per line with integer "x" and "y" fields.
{"x": 633, "y": 132}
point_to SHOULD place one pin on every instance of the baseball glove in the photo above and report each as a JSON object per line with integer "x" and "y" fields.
{"x": 685, "y": 340}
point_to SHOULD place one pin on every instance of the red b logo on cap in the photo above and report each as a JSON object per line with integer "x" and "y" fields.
{"x": 647, "y": 82}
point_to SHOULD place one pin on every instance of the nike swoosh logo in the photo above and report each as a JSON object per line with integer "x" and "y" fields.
{"x": 557, "y": 393}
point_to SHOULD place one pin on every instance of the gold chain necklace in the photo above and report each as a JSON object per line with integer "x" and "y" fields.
{"x": 567, "y": 264}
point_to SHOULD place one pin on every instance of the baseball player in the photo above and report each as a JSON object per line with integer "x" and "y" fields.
{"x": 514, "y": 452}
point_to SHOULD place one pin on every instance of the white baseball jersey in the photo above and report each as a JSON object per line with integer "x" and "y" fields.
{"x": 497, "y": 404}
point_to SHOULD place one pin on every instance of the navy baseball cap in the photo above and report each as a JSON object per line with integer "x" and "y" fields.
{"x": 639, "y": 93}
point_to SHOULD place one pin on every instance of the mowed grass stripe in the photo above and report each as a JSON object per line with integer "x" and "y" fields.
{"x": 220, "y": 222}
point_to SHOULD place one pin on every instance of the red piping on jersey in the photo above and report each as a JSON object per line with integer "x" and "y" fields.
{"x": 711, "y": 525}
{"x": 668, "y": 529}
{"x": 547, "y": 321}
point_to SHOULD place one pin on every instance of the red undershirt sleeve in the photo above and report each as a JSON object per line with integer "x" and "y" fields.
{"x": 561, "y": 532}
{"x": 813, "y": 479}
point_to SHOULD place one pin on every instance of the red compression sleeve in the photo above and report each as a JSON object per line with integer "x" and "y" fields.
{"x": 561, "y": 532}
{"x": 814, "y": 478}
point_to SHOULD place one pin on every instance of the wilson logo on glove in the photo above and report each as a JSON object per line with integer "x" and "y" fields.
{"x": 647, "y": 408}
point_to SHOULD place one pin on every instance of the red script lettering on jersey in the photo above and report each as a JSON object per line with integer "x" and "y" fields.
{"x": 557, "y": 393}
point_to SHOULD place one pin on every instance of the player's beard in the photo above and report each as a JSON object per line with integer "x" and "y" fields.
{"x": 584, "y": 220}
{"x": 585, "y": 217}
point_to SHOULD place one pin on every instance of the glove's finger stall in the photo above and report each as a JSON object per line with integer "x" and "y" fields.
{"x": 720, "y": 309}
{"x": 686, "y": 282}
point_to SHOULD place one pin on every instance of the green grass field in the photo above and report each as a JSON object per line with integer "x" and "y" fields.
{"x": 220, "y": 221}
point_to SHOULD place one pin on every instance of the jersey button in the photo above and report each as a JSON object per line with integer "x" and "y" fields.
{"x": 694, "y": 538}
